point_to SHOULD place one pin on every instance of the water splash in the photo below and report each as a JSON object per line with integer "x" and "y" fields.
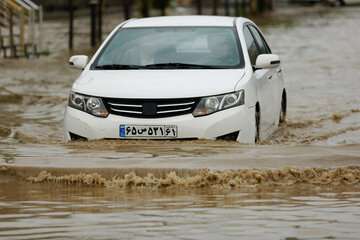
{"x": 170, "y": 178}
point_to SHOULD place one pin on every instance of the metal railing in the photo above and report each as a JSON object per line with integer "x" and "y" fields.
{"x": 20, "y": 28}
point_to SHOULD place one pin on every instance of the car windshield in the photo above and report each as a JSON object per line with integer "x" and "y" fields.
{"x": 172, "y": 48}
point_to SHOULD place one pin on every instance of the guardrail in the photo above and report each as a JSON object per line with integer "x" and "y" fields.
{"x": 20, "y": 28}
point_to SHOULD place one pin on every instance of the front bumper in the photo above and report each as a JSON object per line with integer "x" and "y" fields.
{"x": 240, "y": 119}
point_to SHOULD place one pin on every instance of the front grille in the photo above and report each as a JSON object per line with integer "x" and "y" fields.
{"x": 150, "y": 108}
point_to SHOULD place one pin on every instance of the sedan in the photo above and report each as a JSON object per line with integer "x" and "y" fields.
{"x": 184, "y": 77}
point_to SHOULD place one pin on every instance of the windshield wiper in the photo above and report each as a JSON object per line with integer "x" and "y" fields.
{"x": 180, "y": 66}
{"x": 118, "y": 67}
{"x": 157, "y": 66}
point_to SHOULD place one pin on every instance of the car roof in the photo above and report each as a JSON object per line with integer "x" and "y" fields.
{"x": 184, "y": 21}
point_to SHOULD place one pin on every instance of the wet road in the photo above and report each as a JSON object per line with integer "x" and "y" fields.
{"x": 319, "y": 52}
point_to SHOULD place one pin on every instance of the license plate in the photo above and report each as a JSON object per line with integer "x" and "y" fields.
{"x": 148, "y": 131}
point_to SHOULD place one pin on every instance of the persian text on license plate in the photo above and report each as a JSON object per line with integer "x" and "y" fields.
{"x": 148, "y": 131}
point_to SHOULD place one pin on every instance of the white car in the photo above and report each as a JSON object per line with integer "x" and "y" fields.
{"x": 184, "y": 77}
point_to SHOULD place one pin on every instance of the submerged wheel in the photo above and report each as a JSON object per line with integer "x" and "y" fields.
{"x": 257, "y": 124}
{"x": 282, "y": 118}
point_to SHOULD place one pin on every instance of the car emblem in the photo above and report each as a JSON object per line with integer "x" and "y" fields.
{"x": 149, "y": 109}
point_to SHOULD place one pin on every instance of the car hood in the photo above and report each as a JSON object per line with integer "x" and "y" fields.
{"x": 157, "y": 83}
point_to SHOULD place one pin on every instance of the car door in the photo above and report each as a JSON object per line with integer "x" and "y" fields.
{"x": 262, "y": 81}
{"x": 273, "y": 79}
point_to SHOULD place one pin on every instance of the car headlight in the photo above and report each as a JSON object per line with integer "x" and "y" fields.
{"x": 209, "y": 105}
{"x": 88, "y": 104}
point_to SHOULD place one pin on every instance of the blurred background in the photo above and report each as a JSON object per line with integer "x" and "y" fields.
{"x": 22, "y": 30}
{"x": 318, "y": 43}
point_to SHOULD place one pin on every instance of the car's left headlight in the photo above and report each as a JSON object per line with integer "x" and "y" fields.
{"x": 209, "y": 105}
{"x": 88, "y": 104}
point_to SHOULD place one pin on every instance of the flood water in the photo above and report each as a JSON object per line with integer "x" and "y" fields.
{"x": 82, "y": 213}
{"x": 302, "y": 183}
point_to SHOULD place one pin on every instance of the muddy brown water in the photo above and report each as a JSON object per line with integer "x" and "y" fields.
{"x": 302, "y": 183}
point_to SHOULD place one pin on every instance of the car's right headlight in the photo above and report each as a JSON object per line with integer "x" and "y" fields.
{"x": 212, "y": 104}
{"x": 88, "y": 104}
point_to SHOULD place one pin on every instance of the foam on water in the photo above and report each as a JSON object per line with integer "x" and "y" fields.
{"x": 187, "y": 178}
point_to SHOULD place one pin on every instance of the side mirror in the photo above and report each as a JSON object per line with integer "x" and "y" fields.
{"x": 79, "y": 61}
{"x": 264, "y": 61}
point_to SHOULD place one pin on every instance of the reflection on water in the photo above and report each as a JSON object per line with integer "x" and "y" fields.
{"x": 321, "y": 68}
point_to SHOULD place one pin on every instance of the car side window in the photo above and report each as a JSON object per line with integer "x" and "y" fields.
{"x": 251, "y": 45}
{"x": 263, "y": 47}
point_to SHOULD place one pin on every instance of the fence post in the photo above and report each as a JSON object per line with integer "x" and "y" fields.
{"x": 100, "y": 9}
{"x": 145, "y": 8}
{"x": 22, "y": 33}
{"x": 127, "y": 8}
{"x": 71, "y": 24}
{"x": 40, "y": 40}
{"x": 244, "y": 6}
{"x": 11, "y": 33}
{"x": 215, "y": 7}
{"x": 163, "y": 7}
{"x": 227, "y": 7}
{"x": 93, "y": 4}
{"x": 261, "y": 4}
{"x": 253, "y": 6}
{"x": 199, "y": 7}
{"x": 237, "y": 10}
